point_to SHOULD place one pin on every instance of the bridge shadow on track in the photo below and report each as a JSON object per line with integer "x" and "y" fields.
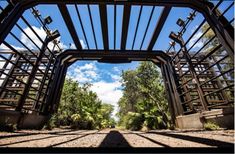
{"x": 114, "y": 139}
{"x": 51, "y": 135}
{"x": 22, "y": 134}
{"x": 206, "y": 141}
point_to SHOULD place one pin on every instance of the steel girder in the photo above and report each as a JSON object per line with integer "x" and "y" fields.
{"x": 222, "y": 28}
{"x": 160, "y": 58}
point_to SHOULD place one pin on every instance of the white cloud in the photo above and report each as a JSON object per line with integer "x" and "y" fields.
{"x": 61, "y": 44}
{"x": 30, "y": 33}
{"x": 108, "y": 92}
{"x": 1, "y": 64}
{"x": 91, "y": 73}
{"x": 80, "y": 78}
{"x": 88, "y": 66}
{"x": 116, "y": 69}
{"x": 199, "y": 44}
{"x": 3, "y": 47}
{"x": 42, "y": 34}
{"x": 83, "y": 44}
{"x": 72, "y": 46}
{"x": 85, "y": 73}
{"x": 115, "y": 77}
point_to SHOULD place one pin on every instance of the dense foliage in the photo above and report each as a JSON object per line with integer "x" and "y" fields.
{"x": 143, "y": 104}
{"x": 80, "y": 108}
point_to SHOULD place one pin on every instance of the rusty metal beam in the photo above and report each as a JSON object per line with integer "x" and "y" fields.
{"x": 83, "y": 31}
{"x": 145, "y": 33}
{"x": 202, "y": 6}
{"x": 125, "y": 24}
{"x": 69, "y": 23}
{"x": 98, "y": 54}
{"x": 136, "y": 28}
{"x": 159, "y": 26}
{"x": 92, "y": 25}
{"x": 103, "y": 18}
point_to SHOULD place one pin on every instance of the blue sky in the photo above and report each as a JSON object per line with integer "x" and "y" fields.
{"x": 106, "y": 77}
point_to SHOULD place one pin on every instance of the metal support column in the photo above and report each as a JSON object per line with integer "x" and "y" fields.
{"x": 170, "y": 80}
{"x": 185, "y": 88}
{"x": 32, "y": 76}
{"x": 172, "y": 107}
{"x": 194, "y": 75}
{"x": 56, "y": 88}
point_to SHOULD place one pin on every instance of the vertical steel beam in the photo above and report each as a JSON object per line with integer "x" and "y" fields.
{"x": 7, "y": 62}
{"x": 69, "y": 23}
{"x": 6, "y": 11}
{"x": 172, "y": 107}
{"x": 220, "y": 86}
{"x": 80, "y": 20}
{"x": 31, "y": 28}
{"x": 172, "y": 91}
{"x": 104, "y": 25}
{"x": 172, "y": 79}
{"x": 6, "y": 80}
{"x": 56, "y": 89}
{"x": 92, "y": 26}
{"x": 158, "y": 28}
{"x": 114, "y": 27}
{"x": 194, "y": 75}
{"x": 52, "y": 90}
{"x": 60, "y": 84}
{"x": 188, "y": 97}
{"x": 40, "y": 89}
{"x": 49, "y": 86}
{"x": 145, "y": 33}
{"x": 136, "y": 28}
{"x": 32, "y": 75}
{"x": 125, "y": 25}
{"x": 221, "y": 26}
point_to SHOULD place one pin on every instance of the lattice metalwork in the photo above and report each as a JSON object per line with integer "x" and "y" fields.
{"x": 196, "y": 79}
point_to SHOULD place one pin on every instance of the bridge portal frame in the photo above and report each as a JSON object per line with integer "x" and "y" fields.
{"x": 222, "y": 28}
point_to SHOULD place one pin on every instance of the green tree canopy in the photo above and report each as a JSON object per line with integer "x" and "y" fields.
{"x": 143, "y": 103}
{"x": 80, "y": 108}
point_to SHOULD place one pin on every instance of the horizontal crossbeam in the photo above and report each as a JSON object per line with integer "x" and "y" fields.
{"x": 113, "y": 56}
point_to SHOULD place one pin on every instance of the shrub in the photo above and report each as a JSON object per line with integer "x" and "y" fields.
{"x": 8, "y": 126}
{"x": 211, "y": 126}
{"x": 51, "y": 123}
{"x": 134, "y": 121}
{"x": 76, "y": 118}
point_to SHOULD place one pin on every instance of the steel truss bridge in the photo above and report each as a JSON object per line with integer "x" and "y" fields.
{"x": 31, "y": 79}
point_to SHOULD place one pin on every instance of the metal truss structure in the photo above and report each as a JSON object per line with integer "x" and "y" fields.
{"x": 195, "y": 81}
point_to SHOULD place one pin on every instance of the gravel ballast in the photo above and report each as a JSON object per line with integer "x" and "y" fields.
{"x": 117, "y": 138}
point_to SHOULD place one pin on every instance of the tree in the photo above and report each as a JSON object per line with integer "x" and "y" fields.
{"x": 68, "y": 103}
{"x": 144, "y": 92}
{"x": 130, "y": 84}
{"x": 80, "y": 108}
{"x": 104, "y": 114}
